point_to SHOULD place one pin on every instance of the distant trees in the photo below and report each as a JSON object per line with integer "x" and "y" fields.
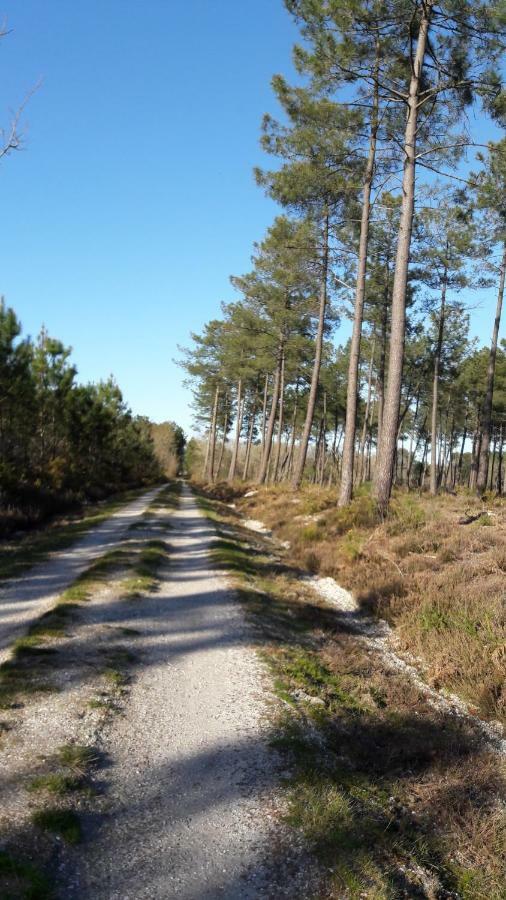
{"x": 61, "y": 441}
{"x": 169, "y": 444}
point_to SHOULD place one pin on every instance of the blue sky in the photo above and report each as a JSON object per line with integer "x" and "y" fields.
{"x": 133, "y": 199}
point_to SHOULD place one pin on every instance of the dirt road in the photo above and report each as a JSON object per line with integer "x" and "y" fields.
{"x": 189, "y": 770}
{"x": 24, "y": 599}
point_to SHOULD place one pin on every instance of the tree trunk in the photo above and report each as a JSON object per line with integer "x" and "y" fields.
{"x": 499, "y": 461}
{"x": 264, "y": 412}
{"x": 294, "y": 428}
{"x": 223, "y": 440}
{"x": 363, "y": 437}
{"x": 383, "y": 354}
{"x": 209, "y": 473}
{"x": 346, "y": 491}
{"x": 262, "y": 475}
{"x": 249, "y": 441}
{"x": 435, "y": 387}
{"x": 486, "y": 414}
{"x": 384, "y": 468}
{"x": 280, "y": 418}
{"x": 458, "y": 474}
{"x": 238, "y": 429}
{"x": 315, "y": 378}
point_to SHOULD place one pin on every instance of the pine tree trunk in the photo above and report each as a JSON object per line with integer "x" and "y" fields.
{"x": 280, "y": 418}
{"x": 363, "y": 437}
{"x": 499, "y": 461}
{"x": 264, "y": 412}
{"x": 347, "y": 468}
{"x": 223, "y": 441}
{"x": 206, "y": 458}
{"x": 475, "y": 454}
{"x": 294, "y": 428}
{"x": 315, "y": 378}
{"x": 494, "y": 451}
{"x": 458, "y": 474}
{"x": 383, "y": 354}
{"x": 486, "y": 415}
{"x": 384, "y": 469}
{"x": 250, "y": 437}
{"x": 212, "y": 438}
{"x": 238, "y": 429}
{"x": 435, "y": 388}
{"x": 266, "y": 455}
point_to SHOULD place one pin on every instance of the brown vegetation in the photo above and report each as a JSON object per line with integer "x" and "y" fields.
{"x": 439, "y": 583}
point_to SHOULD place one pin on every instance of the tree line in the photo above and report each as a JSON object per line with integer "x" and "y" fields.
{"x": 386, "y": 222}
{"x": 62, "y": 442}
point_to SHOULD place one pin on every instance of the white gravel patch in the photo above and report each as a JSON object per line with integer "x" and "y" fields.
{"x": 378, "y": 635}
{"x": 256, "y": 525}
{"x": 331, "y": 591}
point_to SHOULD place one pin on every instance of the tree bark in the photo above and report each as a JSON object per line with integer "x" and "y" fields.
{"x": 209, "y": 473}
{"x": 435, "y": 388}
{"x": 383, "y": 354}
{"x": 223, "y": 441}
{"x": 238, "y": 429}
{"x": 250, "y": 437}
{"x": 315, "y": 378}
{"x": 280, "y": 418}
{"x": 264, "y": 412}
{"x": 384, "y": 469}
{"x": 486, "y": 415}
{"x": 262, "y": 475}
{"x": 347, "y": 467}
{"x": 363, "y": 437}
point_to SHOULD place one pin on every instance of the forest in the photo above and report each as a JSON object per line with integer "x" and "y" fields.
{"x": 61, "y": 442}
{"x": 394, "y": 218}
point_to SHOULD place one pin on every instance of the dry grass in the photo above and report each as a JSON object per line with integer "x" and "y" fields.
{"x": 439, "y": 583}
{"x": 397, "y": 799}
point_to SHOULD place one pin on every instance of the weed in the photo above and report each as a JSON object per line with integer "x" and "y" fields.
{"x": 57, "y": 783}
{"x": 76, "y": 757}
{"x": 20, "y": 880}
{"x": 64, "y": 822}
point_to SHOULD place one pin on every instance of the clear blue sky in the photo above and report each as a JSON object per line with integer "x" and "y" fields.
{"x": 134, "y": 199}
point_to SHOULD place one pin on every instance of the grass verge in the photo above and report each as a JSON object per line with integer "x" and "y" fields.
{"x": 395, "y": 798}
{"x": 16, "y": 556}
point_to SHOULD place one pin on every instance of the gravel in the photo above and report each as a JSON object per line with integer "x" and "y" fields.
{"x": 24, "y": 599}
{"x": 188, "y": 810}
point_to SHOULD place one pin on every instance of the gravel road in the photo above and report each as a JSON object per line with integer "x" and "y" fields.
{"x": 189, "y": 774}
{"x": 24, "y": 599}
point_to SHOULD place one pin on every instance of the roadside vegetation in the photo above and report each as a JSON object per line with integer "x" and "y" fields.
{"x": 396, "y": 796}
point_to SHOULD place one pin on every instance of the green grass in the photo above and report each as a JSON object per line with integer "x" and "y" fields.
{"x": 76, "y": 757}
{"x": 56, "y": 783}
{"x": 63, "y": 822}
{"x": 146, "y": 570}
{"x": 21, "y": 880}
